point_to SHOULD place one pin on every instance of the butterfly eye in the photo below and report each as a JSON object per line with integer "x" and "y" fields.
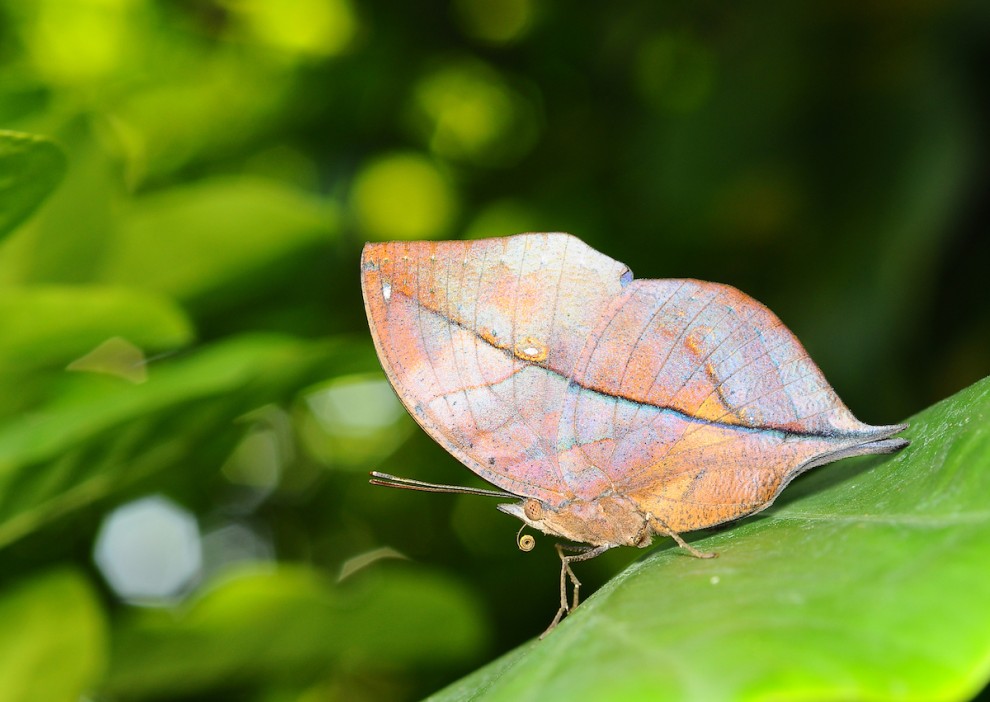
{"x": 533, "y": 510}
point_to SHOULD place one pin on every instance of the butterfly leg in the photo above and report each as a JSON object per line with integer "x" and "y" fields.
{"x": 667, "y": 531}
{"x": 583, "y": 554}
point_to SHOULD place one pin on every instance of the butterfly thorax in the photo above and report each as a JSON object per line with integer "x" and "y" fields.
{"x": 611, "y": 520}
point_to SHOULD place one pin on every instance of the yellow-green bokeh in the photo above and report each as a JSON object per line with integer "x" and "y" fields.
{"x": 501, "y": 218}
{"x": 77, "y": 41}
{"x": 403, "y": 196}
{"x": 467, "y": 111}
{"x": 317, "y": 28}
{"x": 495, "y": 21}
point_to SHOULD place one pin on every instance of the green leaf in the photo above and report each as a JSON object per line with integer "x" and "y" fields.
{"x": 30, "y": 168}
{"x": 48, "y": 325}
{"x": 101, "y": 434}
{"x": 869, "y": 581}
{"x": 53, "y": 639}
{"x": 226, "y": 234}
{"x": 68, "y": 239}
{"x": 290, "y": 623}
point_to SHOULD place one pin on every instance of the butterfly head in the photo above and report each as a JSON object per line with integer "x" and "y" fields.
{"x": 532, "y": 513}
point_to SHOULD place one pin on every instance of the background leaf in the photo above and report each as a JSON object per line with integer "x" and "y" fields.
{"x": 30, "y": 168}
{"x": 53, "y": 325}
{"x": 193, "y": 241}
{"x": 50, "y": 652}
{"x": 105, "y": 433}
{"x": 255, "y": 626}
{"x": 810, "y": 600}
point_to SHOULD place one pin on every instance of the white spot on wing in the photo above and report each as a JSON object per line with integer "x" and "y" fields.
{"x": 386, "y": 290}
{"x": 530, "y": 349}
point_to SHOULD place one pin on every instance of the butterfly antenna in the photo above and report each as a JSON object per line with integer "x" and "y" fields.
{"x": 386, "y": 480}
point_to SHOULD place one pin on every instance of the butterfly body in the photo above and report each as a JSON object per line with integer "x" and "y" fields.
{"x": 607, "y": 520}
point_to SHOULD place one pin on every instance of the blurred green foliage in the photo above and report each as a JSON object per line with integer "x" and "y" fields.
{"x": 184, "y": 190}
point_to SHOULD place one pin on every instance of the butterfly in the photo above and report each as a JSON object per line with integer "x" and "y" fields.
{"x": 610, "y": 410}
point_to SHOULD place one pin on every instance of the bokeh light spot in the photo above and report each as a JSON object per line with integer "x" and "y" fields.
{"x": 403, "y": 196}
{"x": 149, "y": 550}
{"x": 467, "y": 112}
{"x": 308, "y": 27}
{"x": 353, "y": 420}
{"x": 356, "y": 405}
{"x": 231, "y": 545}
{"x": 502, "y": 218}
{"x": 256, "y": 462}
{"x": 80, "y": 40}
{"x": 495, "y": 21}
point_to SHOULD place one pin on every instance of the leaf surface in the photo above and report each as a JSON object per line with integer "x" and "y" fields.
{"x": 869, "y": 580}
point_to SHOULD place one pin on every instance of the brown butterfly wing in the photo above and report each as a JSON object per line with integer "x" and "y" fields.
{"x": 696, "y": 402}
{"x": 478, "y": 337}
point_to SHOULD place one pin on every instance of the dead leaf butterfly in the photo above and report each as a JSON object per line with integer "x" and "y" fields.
{"x": 609, "y": 409}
